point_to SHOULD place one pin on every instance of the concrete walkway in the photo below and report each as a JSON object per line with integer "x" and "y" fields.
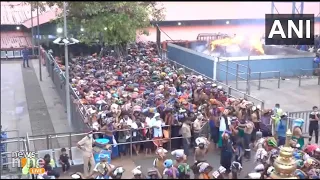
{"x": 56, "y": 110}
{"x": 40, "y": 119}
{"x": 290, "y": 96}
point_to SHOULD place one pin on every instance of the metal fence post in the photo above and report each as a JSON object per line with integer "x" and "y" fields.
{"x": 229, "y": 91}
{"x": 170, "y": 140}
{"x": 319, "y": 78}
{"x": 248, "y": 81}
{"x": 47, "y": 140}
{"x": 227, "y": 72}
{"x": 131, "y": 143}
{"x": 279, "y": 80}
{"x": 262, "y": 105}
{"x": 237, "y": 74}
{"x": 70, "y": 145}
{"x": 259, "y": 85}
{"x": 299, "y": 80}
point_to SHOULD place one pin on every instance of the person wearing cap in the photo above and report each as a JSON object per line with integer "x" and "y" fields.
{"x": 282, "y": 129}
{"x": 297, "y": 137}
{"x": 225, "y": 123}
{"x": 185, "y": 131}
{"x": 102, "y": 169}
{"x": 226, "y": 151}
{"x": 200, "y": 151}
{"x": 159, "y": 161}
{"x": 86, "y": 144}
{"x": 277, "y": 112}
{"x": 196, "y": 126}
{"x": 314, "y": 118}
{"x": 157, "y": 126}
{"x": 214, "y": 114}
{"x": 255, "y": 117}
{"x": 137, "y": 174}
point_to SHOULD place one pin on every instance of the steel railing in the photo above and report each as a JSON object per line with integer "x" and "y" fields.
{"x": 7, "y": 163}
{"x": 232, "y": 92}
{"x": 75, "y": 137}
{"x": 303, "y": 73}
{"x": 78, "y": 110}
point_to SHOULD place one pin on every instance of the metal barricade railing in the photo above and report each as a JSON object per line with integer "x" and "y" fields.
{"x": 8, "y": 164}
{"x": 276, "y": 75}
{"x": 78, "y": 110}
{"x": 232, "y": 92}
{"x": 309, "y": 72}
{"x": 236, "y": 70}
{"x": 74, "y": 138}
{"x": 303, "y": 115}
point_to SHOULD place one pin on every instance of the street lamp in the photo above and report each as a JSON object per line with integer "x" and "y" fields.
{"x": 66, "y": 42}
{"x": 59, "y": 30}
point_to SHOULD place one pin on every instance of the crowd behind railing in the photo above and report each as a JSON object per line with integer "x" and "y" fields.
{"x": 141, "y": 98}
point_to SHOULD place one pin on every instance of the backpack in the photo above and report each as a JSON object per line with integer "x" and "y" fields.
{"x": 184, "y": 171}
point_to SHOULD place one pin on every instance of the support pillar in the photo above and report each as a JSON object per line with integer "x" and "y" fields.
{"x": 158, "y": 37}
{"x": 294, "y": 8}
{"x": 301, "y": 7}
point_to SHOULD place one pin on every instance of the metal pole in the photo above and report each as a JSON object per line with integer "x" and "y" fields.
{"x": 227, "y": 72}
{"x": 38, "y": 32}
{"x": 259, "y": 81}
{"x": 66, "y": 59}
{"x": 237, "y": 73}
{"x": 248, "y": 76}
{"x": 32, "y": 34}
{"x": 279, "y": 79}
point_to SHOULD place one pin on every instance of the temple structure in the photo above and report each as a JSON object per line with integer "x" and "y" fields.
{"x": 285, "y": 164}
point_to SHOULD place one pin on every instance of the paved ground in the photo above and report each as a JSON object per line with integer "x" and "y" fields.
{"x": 290, "y": 96}
{"x": 14, "y": 108}
{"x": 30, "y": 106}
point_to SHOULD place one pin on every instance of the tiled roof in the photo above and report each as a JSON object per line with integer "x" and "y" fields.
{"x": 15, "y": 13}
{"x": 15, "y": 40}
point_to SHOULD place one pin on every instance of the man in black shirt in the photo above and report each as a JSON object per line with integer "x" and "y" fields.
{"x": 64, "y": 160}
{"x": 314, "y": 118}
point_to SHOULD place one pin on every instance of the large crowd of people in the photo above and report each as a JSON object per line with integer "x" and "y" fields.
{"x": 144, "y": 100}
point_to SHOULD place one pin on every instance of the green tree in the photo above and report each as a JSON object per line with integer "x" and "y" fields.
{"x": 108, "y": 22}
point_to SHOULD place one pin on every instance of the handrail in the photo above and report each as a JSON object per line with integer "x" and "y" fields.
{"x": 81, "y": 107}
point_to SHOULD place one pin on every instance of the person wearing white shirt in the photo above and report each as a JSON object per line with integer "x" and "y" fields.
{"x": 197, "y": 126}
{"x": 225, "y": 123}
{"x": 157, "y": 125}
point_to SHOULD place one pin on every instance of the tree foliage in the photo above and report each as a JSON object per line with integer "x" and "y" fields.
{"x": 110, "y": 22}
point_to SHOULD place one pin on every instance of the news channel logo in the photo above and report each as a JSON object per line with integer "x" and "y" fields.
{"x": 289, "y": 29}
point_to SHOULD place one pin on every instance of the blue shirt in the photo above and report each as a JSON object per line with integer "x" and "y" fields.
{"x": 282, "y": 128}
{"x": 25, "y": 53}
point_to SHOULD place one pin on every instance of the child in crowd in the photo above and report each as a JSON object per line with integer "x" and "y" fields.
{"x": 64, "y": 160}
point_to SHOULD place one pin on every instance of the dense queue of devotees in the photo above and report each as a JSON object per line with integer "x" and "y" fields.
{"x": 143, "y": 91}
{"x": 266, "y": 151}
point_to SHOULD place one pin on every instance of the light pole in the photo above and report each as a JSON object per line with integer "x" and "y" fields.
{"x": 66, "y": 41}
{"x": 66, "y": 60}
{"x": 32, "y": 34}
{"x": 38, "y": 32}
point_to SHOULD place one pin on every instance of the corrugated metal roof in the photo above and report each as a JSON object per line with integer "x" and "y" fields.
{"x": 15, "y": 40}
{"x": 190, "y": 33}
{"x": 44, "y": 18}
{"x": 176, "y": 10}
{"x": 15, "y": 13}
